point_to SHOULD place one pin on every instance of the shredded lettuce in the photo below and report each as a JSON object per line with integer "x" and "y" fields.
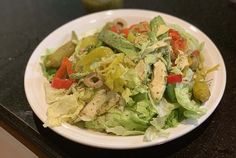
{"x": 164, "y": 109}
{"x": 188, "y": 78}
{"x": 150, "y": 59}
{"x": 175, "y": 70}
{"x": 193, "y": 110}
{"x": 53, "y": 95}
{"x": 126, "y": 94}
{"x": 131, "y": 78}
{"x": 182, "y": 61}
{"x": 62, "y": 108}
{"x": 153, "y": 133}
{"x": 166, "y": 56}
{"x": 144, "y": 109}
{"x": 154, "y": 47}
{"x": 79, "y": 75}
{"x": 115, "y": 117}
{"x": 121, "y": 131}
{"x": 174, "y": 118}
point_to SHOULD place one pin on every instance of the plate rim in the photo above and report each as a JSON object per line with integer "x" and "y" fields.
{"x": 57, "y": 129}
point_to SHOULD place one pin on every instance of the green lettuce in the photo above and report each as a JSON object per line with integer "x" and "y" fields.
{"x": 52, "y": 95}
{"x": 128, "y": 119}
{"x": 150, "y": 58}
{"x": 47, "y": 72}
{"x": 193, "y": 110}
{"x": 126, "y": 94}
{"x": 62, "y": 107}
{"x": 145, "y": 110}
{"x": 188, "y": 78}
{"x": 152, "y": 133}
{"x": 166, "y": 55}
{"x": 121, "y": 131}
{"x": 131, "y": 78}
{"x": 164, "y": 109}
{"x": 174, "y": 118}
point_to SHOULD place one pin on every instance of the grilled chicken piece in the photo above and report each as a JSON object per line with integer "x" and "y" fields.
{"x": 91, "y": 109}
{"x": 158, "y": 83}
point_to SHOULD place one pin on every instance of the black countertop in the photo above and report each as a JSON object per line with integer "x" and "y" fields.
{"x": 25, "y": 23}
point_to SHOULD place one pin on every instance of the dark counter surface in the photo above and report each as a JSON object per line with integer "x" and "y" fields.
{"x": 25, "y": 23}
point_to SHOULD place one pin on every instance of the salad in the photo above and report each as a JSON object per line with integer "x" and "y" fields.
{"x": 127, "y": 80}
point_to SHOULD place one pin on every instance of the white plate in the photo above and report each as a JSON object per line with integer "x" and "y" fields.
{"x": 34, "y": 79}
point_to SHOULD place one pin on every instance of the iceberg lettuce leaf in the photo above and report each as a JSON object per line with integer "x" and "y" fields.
{"x": 121, "y": 131}
{"x": 128, "y": 119}
{"x": 175, "y": 117}
{"x": 65, "y": 109}
{"x": 183, "y": 98}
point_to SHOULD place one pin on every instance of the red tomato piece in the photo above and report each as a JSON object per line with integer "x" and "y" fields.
{"x": 177, "y": 42}
{"x": 125, "y": 32}
{"x": 173, "y": 78}
{"x": 60, "y": 81}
